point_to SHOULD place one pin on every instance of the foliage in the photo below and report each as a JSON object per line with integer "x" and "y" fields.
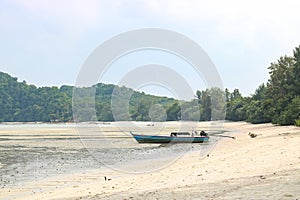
{"x": 284, "y": 89}
{"x": 173, "y": 112}
{"x": 22, "y": 102}
{"x": 297, "y": 122}
{"x": 190, "y": 111}
{"x": 212, "y": 104}
{"x": 277, "y": 101}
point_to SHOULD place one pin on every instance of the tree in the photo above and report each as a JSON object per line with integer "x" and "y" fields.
{"x": 157, "y": 113}
{"x": 235, "y": 95}
{"x": 218, "y": 103}
{"x": 296, "y": 72}
{"x": 173, "y": 112}
{"x": 205, "y": 106}
{"x": 212, "y": 103}
{"x": 278, "y": 101}
{"x": 227, "y": 95}
{"x": 291, "y": 114}
{"x": 282, "y": 88}
{"x": 190, "y": 111}
{"x": 236, "y": 110}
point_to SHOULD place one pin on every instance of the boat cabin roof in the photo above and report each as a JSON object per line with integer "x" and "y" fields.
{"x": 179, "y": 133}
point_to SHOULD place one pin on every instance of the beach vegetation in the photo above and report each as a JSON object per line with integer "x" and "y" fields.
{"x": 297, "y": 122}
{"x": 276, "y": 101}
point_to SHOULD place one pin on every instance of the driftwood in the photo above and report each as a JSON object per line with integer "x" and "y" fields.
{"x": 252, "y": 135}
{"x": 227, "y": 136}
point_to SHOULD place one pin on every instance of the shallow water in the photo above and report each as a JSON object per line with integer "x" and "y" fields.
{"x": 35, "y": 152}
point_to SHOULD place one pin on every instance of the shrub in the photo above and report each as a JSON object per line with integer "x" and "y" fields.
{"x": 297, "y": 122}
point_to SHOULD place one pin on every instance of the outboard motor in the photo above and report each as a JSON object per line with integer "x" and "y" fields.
{"x": 203, "y": 133}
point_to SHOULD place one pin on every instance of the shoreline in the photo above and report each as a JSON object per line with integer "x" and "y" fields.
{"x": 264, "y": 167}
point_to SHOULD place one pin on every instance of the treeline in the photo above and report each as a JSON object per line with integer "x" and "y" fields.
{"x": 277, "y": 101}
{"x": 108, "y": 102}
{"x": 21, "y": 102}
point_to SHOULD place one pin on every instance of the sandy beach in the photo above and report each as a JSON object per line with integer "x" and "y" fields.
{"x": 264, "y": 167}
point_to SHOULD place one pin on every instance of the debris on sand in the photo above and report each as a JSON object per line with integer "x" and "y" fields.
{"x": 252, "y": 135}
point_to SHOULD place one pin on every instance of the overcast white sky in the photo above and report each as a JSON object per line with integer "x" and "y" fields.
{"x": 46, "y": 42}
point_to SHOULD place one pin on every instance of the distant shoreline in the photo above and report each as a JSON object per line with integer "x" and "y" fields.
{"x": 147, "y": 123}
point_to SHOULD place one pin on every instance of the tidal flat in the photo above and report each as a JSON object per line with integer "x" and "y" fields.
{"x": 102, "y": 161}
{"x": 31, "y": 152}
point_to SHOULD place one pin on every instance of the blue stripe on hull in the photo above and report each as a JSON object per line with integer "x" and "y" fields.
{"x": 167, "y": 139}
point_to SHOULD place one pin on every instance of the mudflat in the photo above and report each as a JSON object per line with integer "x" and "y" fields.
{"x": 52, "y": 162}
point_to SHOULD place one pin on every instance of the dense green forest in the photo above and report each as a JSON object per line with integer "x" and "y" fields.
{"x": 277, "y": 101}
{"x": 22, "y": 102}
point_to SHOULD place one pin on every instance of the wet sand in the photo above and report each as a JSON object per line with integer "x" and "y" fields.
{"x": 264, "y": 167}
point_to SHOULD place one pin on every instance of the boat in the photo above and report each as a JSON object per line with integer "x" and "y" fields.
{"x": 175, "y": 137}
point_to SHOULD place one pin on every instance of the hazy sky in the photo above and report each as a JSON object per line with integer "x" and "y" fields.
{"x": 46, "y": 42}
